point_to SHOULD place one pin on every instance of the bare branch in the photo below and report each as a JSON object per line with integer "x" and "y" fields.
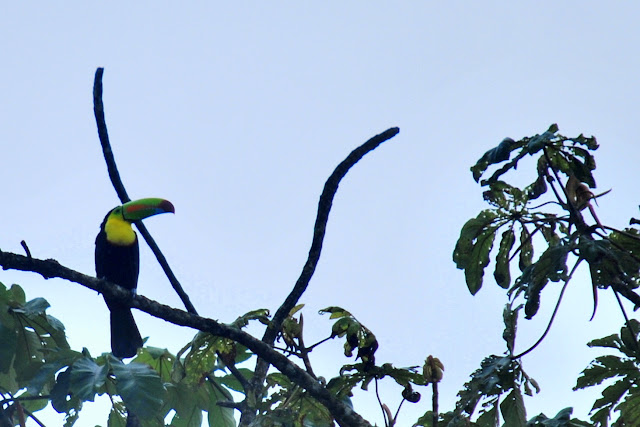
{"x": 324, "y": 207}
{"x": 114, "y": 175}
{"x": 343, "y": 414}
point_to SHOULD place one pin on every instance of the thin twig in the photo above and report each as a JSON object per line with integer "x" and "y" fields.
{"x": 33, "y": 417}
{"x": 114, "y": 175}
{"x": 395, "y": 417}
{"x": 26, "y": 248}
{"x": 384, "y": 413}
{"x": 304, "y": 352}
{"x": 310, "y": 348}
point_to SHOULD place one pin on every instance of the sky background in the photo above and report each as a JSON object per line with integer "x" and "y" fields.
{"x": 238, "y": 112}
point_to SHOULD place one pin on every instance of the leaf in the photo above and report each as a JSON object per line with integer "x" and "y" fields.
{"x": 510, "y": 317}
{"x": 552, "y": 265}
{"x": 526, "y": 249}
{"x": 501, "y": 273}
{"x": 472, "y": 249}
{"x": 262, "y": 315}
{"x": 219, "y": 416}
{"x": 538, "y": 142}
{"x": 86, "y": 377}
{"x": 512, "y": 409}
{"x": 602, "y": 368}
{"x": 139, "y": 386}
{"x": 562, "y": 419}
{"x": 495, "y": 155}
{"x": 232, "y": 382}
{"x": 336, "y": 312}
{"x": 8, "y": 338}
{"x": 191, "y": 419}
{"x": 494, "y": 376}
{"x": 36, "y": 307}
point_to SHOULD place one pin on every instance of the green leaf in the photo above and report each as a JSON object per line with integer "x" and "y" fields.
{"x": 473, "y": 247}
{"x": 116, "y": 419}
{"x": 8, "y": 338}
{"x": 512, "y": 409}
{"x": 501, "y": 273}
{"x": 336, "y": 312}
{"x": 17, "y": 295}
{"x": 495, "y": 155}
{"x": 538, "y": 142}
{"x": 562, "y": 419}
{"x": 36, "y": 306}
{"x": 86, "y": 377}
{"x": 526, "y": 249}
{"x": 190, "y": 419}
{"x": 232, "y": 382}
{"x": 552, "y": 265}
{"x": 139, "y": 386}
{"x": 494, "y": 376}
{"x": 510, "y": 317}
{"x": 262, "y": 315}
{"x": 219, "y": 416}
{"x": 630, "y": 408}
{"x": 602, "y": 368}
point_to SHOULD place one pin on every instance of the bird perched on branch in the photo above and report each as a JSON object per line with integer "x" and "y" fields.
{"x": 118, "y": 261}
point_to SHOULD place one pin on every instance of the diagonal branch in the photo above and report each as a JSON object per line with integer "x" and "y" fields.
{"x": 324, "y": 207}
{"x": 114, "y": 175}
{"x": 343, "y": 414}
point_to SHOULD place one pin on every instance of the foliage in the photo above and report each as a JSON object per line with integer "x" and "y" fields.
{"x": 564, "y": 239}
{"x": 533, "y": 236}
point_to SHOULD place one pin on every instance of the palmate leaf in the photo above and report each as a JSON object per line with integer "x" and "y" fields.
{"x": 139, "y": 386}
{"x": 603, "y": 368}
{"x": 86, "y": 377}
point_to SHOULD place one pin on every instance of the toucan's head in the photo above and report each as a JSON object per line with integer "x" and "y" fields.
{"x": 117, "y": 224}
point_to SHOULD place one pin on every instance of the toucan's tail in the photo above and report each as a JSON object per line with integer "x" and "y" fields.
{"x": 125, "y": 337}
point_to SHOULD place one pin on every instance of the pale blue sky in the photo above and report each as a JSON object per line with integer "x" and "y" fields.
{"x": 238, "y": 114}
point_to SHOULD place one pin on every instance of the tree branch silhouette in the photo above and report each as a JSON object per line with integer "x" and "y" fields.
{"x": 50, "y": 268}
{"x": 114, "y": 175}
{"x": 322, "y": 217}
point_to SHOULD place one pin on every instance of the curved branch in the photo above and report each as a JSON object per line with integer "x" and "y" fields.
{"x": 324, "y": 207}
{"x": 114, "y": 175}
{"x": 343, "y": 414}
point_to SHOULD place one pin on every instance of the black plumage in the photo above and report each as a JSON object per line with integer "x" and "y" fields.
{"x": 120, "y": 265}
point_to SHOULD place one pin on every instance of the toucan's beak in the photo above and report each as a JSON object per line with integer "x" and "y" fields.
{"x": 136, "y": 210}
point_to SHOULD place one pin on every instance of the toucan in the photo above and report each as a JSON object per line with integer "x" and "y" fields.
{"x": 118, "y": 261}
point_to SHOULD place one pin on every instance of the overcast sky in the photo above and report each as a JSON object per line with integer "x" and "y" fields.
{"x": 237, "y": 113}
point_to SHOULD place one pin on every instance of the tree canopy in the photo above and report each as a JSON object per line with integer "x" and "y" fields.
{"x": 530, "y": 237}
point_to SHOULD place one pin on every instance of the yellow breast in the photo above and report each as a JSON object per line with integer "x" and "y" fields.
{"x": 119, "y": 232}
